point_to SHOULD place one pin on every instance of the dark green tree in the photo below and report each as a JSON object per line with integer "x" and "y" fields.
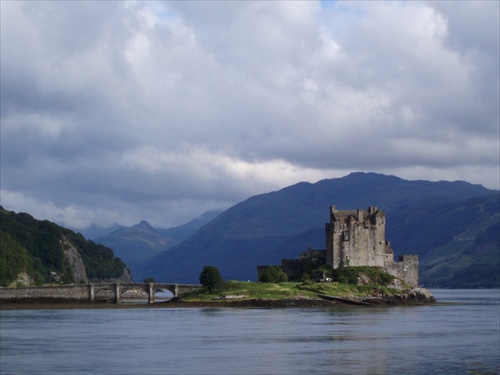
{"x": 211, "y": 278}
{"x": 273, "y": 274}
{"x": 149, "y": 279}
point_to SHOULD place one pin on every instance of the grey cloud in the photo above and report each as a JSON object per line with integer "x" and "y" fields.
{"x": 136, "y": 110}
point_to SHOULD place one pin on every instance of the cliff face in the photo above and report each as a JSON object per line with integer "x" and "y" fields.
{"x": 126, "y": 277}
{"x": 75, "y": 261}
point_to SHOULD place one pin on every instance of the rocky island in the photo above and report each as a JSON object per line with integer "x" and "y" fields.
{"x": 359, "y": 286}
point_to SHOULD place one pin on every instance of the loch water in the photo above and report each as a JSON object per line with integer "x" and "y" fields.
{"x": 458, "y": 335}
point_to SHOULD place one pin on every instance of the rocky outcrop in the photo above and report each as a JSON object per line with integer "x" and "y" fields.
{"x": 23, "y": 279}
{"x": 414, "y": 296}
{"x": 126, "y": 277}
{"x": 75, "y": 261}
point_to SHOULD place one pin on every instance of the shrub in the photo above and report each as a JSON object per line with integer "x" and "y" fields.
{"x": 273, "y": 274}
{"x": 349, "y": 275}
{"x": 346, "y": 275}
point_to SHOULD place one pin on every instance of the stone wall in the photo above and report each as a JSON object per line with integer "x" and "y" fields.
{"x": 294, "y": 268}
{"x": 316, "y": 256}
{"x": 61, "y": 292}
{"x": 406, "y": 269}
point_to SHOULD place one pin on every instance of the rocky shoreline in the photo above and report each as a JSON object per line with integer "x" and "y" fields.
{"x": 413, "y": 297}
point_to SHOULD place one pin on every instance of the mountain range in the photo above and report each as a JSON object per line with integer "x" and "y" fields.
{"x": 138, "y": 243}
{"x": 452, "y": 226}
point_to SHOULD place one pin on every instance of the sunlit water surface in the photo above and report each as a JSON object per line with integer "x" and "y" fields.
{"x": 459, "y": 335}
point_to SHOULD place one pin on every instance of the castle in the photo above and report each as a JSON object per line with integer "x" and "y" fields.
{"x": 355, "y": 238}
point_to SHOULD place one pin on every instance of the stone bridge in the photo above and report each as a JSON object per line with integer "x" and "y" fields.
{"x": 88, "y": 292}
{"x": 150, "y": 288}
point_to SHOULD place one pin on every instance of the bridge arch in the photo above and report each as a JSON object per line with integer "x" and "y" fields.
{"x": 117, "y": 289}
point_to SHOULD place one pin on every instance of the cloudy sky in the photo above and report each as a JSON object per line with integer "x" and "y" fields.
{"x": 119, "y": 111}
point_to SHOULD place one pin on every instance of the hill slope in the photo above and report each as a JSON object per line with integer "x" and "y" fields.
{"x": 469, "y": 256}
{"x": 39, "y": 247}
{"x": 267, "y": 228}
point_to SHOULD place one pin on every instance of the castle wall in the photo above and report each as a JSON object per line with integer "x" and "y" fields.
{"x": 316, "y": 256}
{"x": 292, "y": 267}
{"x": 329, "y": 245}
{"x": 355, "y": 238}
{"x": 406, "y": 269}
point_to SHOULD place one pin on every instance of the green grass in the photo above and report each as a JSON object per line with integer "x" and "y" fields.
{"x": 346, "y": 290}
{"x": 257, "y": 290}
{"x": 250, "y": 290}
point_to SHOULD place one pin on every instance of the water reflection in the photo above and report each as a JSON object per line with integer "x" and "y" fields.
{"x": 446, "y": 338}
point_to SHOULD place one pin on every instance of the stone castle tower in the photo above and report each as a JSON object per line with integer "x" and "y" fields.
{"x": 357, "y": 238}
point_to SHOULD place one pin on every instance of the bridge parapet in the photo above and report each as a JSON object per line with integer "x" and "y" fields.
{"x": 88, "y": 292}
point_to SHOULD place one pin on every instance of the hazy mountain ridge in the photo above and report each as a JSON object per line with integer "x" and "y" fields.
{"x": 96, "y": 231}
{"x": 268, "y": 227}
{"x": 142, "y": 241}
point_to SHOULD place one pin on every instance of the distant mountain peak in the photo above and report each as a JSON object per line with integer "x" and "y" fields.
{"x": 142, "y": 241}
{"x": 144, "y": 225}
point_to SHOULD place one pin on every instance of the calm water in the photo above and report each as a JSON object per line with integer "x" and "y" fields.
{"x": 461, "y": 335}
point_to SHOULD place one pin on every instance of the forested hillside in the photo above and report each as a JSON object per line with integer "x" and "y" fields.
{"x": 36, "y": 247}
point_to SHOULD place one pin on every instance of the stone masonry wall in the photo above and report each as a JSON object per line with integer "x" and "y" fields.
{"x": 292, "y": 267}
{"x": 62, "y": 292}
{"x": 406, "y": 269}
{"x": 355, "y": 238}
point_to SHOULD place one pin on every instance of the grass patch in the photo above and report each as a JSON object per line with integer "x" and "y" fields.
{"x": 250, "y": 290}
{"x": 258, "y": 290}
